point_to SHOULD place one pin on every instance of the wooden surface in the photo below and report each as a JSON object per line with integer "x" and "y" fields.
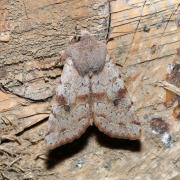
{"x": 143, "y": 38}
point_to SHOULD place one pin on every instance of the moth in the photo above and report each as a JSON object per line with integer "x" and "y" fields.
{"x": 90, "y": 92}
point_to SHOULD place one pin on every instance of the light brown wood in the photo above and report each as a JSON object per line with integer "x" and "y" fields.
{"x": 143, "y": 38}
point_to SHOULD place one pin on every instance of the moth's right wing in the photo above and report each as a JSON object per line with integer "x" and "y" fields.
{"x": 70, "y": 117}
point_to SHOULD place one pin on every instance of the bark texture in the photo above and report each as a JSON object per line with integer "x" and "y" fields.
{"x": 143, "y": 38}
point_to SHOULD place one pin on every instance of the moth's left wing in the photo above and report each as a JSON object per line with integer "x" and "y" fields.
{"x": 113, "y": 110}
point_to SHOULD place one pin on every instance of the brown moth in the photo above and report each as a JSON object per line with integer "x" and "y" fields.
{"x": 91, "y": 92}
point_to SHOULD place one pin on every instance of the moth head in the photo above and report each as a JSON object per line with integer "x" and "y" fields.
{"x": 84, "y": 34}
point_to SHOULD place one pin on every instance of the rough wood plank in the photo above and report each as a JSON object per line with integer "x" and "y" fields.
{"x": 143, "y": 38}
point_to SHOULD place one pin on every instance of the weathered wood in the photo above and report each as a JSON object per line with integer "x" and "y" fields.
{"x": 143, "y": 38}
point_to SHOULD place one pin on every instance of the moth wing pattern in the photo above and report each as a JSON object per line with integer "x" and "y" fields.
{"x": 113, "y": 110}
{"x": 69, "y": 118}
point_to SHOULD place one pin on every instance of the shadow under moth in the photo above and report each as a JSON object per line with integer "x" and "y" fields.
{"x": 90, "y": 92}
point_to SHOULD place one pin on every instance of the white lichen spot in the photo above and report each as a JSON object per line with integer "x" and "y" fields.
{"x": 167, "y": 140}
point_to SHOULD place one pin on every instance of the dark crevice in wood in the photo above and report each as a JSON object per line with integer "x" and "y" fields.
{"x": 109, "y": 22}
